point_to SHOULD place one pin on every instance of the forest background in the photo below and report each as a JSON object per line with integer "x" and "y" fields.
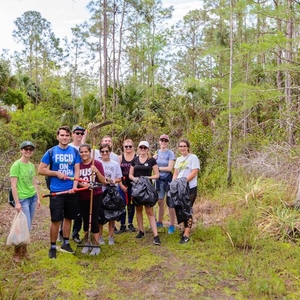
{"x": 225, "y": 77}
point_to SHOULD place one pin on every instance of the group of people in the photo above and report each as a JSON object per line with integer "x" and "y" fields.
{"x": 72, "y": 167}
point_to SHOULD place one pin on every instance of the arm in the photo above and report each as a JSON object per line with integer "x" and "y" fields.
{"x": 192, "y": 175}
{"x": 100, "y": 176}
{"x": 44, "y": 170}
{"x": 131, "y": 171}
{"x": 169, "y": 168}
{"x": 175, "y": 174}
{"x": 37, "y": 193}
{"x": 155, "y": 173}
{"x": 76, "y": 175}
{"x": 13, "y": 182}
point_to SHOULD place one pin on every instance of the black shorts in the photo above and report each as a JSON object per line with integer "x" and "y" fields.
{"x": 63, "y": 206}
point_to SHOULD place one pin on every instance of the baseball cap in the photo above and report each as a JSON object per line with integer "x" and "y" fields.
{"x": 77, "y": 127}
{"x": 144, "y": 143}
{"x": 25, "y": 144}
{"x": 164, "y": 136}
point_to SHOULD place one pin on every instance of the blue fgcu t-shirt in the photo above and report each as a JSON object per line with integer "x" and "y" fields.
{"x": 62, "y": 160}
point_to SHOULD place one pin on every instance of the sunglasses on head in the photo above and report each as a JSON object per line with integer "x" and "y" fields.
{"x": 104, "y": 151}
{"x": 78, "y": 133}
{"x": 128, "y": 146}
{"x": 28, "y": 149}
{"x": 143, "y": 147}
{"x": 164, "y": 140}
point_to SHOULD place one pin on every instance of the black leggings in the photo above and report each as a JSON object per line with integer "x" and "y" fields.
{"x": 193, "y": 194}
{"x": 85, "y": 213}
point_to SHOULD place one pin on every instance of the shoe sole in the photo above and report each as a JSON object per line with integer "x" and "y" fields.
{"x": 156, "y": 244}
{"x": 66, "y": 251}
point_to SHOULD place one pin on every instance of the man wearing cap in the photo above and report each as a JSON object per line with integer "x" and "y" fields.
{"x": 24, "y": 189}
{"x": 64, "y": 161}
{"x": 78, "y": 136}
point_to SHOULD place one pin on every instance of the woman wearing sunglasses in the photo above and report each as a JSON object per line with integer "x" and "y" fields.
{"x": 165, "y": 159}
{"x": 188, "y": 166}
{"x": 113, "y": 173}
{"x": 24, "y": 189}
{"x": 145, "y": 165}
{"x": 125, "y": 186}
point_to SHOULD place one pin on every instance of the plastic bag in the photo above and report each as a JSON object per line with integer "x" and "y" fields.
{"x": 144, "y": 193}
{"x": 19, "y": 232}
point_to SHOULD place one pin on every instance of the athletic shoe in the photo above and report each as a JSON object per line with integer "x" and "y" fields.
{"x": 122, "y": 229}
{"x": 95, "y": 251}
{"x": 66, "y": 248}
{"x": 184, "y": 239}
{"x": 77, "y": 239}
{"x": 171, "y": 229}
{"x": 111, "y": 241}
{"x": 131, "y": 228}
{"x": 52, "y": 253}
{"x": 85, "y": 249}
{"x": 101, "y": 240}
{"x": 156, "y": 240}
{"x": 159, "y": 224}
{"x": 116, "y": 230}
{"x": 140, "y": 235}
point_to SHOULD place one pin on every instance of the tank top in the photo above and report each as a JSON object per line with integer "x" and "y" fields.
{"x": 125, "y": 167}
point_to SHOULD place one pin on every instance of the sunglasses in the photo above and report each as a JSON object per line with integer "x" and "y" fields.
{"x": 128, "y": 146}
{"x": 78, "y": 133}
{"x": 28, "y": 149}
{"x": 104, "y": 151}
{"x": 164, "y": 140}
{"x": 143, "y": 147}
{"x": 182, "y": 146}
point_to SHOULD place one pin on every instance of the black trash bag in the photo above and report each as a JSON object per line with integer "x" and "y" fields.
{"x": 101, "y": 219}
{"x": 144, "y": 192}
{"x": 179, "y": 198}
{"x": 113, "y": 204}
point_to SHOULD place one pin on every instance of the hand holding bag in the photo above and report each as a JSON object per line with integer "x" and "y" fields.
{"x": 19, "y": 232}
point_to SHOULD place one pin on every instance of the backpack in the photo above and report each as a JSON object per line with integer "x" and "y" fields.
{"x": 47, "y": 178}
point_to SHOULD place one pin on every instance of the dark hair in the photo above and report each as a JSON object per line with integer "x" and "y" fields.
{"x": 186, "y": 142}
{"x": 105, "y": 146}
{"x": 85, "y": 145}
{"x": 66, "y": 128}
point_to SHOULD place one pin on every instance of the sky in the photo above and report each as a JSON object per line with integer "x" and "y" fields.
{"x": 63, "y": 15}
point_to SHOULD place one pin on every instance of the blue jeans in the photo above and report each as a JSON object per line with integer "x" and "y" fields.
{"x": 28, "y": 208}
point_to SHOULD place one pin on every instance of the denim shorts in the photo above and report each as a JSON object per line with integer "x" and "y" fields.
{"x": 162, "y": 189}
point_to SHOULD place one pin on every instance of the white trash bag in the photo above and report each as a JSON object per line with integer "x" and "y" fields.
{"x": 19, "y": 232}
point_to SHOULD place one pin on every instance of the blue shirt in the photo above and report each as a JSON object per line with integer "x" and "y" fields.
{"x": 62, "y": 160}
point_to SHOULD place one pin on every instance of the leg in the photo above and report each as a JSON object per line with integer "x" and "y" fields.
{"x": 161, "y": 210}
{"x": 152, "y": 221}
{"x": 139, "y": 217}
{"x": 54, "y": 231}
{"x": 25, "y": 203}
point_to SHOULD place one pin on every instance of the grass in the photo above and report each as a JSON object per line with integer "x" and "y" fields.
{"x": 242, "y": 253}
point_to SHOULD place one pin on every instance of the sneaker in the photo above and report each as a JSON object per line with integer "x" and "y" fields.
{"x": 52, "y": 253}
{"x": 171, "y": 229}
{"x": 140, "y": 235}
{"x": 131, "y": 228}
{"x": 184, "y": 239}
{"x": 116, "y": 230}
{"x": 101, "y": 240}
{"x": 66, "y": 248}
{"x": 111, "y": 241}
{"x": 85, "y": 249}
{"x": 122, "y": 229}
{"x": 77, "y": 239}
{"x": 156, "y": 240}
{"x": 95, "y": 251}
{"x": 159, "y": 224}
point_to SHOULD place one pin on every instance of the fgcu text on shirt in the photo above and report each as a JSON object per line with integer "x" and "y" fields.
{"x": 62, "y": 160}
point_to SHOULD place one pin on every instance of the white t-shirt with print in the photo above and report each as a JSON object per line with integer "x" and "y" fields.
{"x": 185, "y": 165}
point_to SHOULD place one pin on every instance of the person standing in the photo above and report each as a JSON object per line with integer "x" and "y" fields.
{"x": 24, "y": 189}
{"x": 78, "y": 138}
{"x": 113, "y": 174}
{"x": 145, "y": 165}
{"x": 165, "y": 159}
{"x": 107, "y": 140}
{"x": 125, "y": 187}
{"x": 64, "y": 161}
{"x": 93, "y": 172}
{"x": 188, "y": 166}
